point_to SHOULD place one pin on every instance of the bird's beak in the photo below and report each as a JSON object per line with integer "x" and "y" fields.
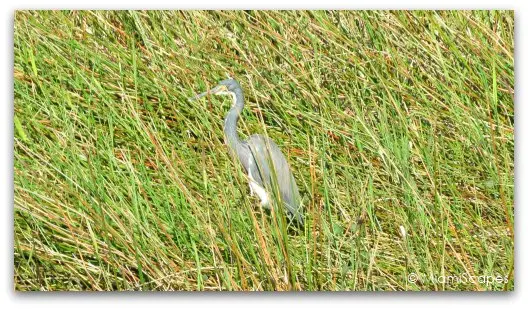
{"x": 212, "y": 91}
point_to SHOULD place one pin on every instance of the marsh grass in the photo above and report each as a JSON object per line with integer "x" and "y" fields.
{"x": 398, "y": 127}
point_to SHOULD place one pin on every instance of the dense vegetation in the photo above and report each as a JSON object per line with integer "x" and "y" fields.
{"x": 398, "y": 127}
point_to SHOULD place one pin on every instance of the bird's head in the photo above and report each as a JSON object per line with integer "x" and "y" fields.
{"x": 227, "y": 86}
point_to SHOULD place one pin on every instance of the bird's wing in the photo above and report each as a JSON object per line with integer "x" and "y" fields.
{"x": 267, "y": 154}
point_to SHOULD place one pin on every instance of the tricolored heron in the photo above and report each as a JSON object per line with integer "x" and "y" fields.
{"x": 261, "y": 158}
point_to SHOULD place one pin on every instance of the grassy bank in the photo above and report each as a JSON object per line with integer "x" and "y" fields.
{"x": 398, "y": 127}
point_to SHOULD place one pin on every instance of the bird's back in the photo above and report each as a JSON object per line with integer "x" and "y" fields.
{"x": 267, "y": 155}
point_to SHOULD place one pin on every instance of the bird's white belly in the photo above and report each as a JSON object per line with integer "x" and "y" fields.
{"x": 261, "y": 192}
{"x": 256, "y": 188}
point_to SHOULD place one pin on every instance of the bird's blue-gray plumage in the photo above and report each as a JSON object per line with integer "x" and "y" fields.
{"x": 259, "y": 155}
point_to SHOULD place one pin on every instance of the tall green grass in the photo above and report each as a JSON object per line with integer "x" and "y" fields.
{"x": 398, "y": 127}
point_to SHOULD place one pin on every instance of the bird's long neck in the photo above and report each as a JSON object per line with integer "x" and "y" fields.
{"x": 230, "y": 127}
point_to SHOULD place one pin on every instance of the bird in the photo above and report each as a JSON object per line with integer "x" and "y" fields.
{"x": 262, "y": 160}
